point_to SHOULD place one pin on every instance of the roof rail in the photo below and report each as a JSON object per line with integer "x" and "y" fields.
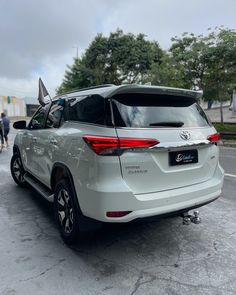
{"x": 89, "y": 88}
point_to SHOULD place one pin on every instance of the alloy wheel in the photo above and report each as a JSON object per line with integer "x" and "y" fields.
{"x": 65, "y": 211}
{"x": 18, "y": 170}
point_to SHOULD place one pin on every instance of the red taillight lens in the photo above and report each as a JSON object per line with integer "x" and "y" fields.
{"x": 137, "y": 142}
{"x": 214, "y": 137}
{"x": 103, "y": 145}
{"x": 115, "y": 214}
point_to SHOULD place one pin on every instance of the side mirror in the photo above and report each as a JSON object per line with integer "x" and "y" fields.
{"x": 20, "y": 124}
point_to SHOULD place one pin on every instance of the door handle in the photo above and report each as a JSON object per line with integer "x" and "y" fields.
{"x": 34, "y": 139}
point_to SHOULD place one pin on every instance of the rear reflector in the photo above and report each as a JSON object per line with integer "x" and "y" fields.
{"x": 214, "y": 137}
{"x": 116, "y": 214}
{"x": 103, "y": 145}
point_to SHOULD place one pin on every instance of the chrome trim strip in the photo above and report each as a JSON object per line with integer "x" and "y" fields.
{"x": 172, "y": 146}
{"x": 181, "y": 145}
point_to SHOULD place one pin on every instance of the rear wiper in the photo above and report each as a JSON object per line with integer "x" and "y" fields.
{"x": 171, "y": 124}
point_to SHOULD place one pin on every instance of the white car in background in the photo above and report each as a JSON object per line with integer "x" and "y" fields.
{"x": 119, "y": 153}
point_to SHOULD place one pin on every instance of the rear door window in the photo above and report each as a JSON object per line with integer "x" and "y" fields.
{"x": 88, "y": 109}
{"x": 149, "y": 110}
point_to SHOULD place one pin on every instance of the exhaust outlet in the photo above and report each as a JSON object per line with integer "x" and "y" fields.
{"x": 195, "y": 218}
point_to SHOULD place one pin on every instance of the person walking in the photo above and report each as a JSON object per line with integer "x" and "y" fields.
{"x": 6, "y": 127}
{"x": 1, "y": 135}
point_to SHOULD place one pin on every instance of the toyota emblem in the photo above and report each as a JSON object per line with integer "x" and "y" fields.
{"x": 185, "y": 135}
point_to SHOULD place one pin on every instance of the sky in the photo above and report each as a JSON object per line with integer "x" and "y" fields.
{"x": 38, "y": 38}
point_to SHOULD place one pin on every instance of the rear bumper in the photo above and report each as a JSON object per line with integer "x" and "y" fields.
{"x": 153, "y": 204}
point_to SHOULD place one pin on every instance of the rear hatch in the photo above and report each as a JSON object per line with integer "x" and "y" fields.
{"x": 182, "y": 155}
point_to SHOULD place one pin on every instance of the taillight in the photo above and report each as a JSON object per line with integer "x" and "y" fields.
{"x": 137, "y": 142}
{"x": 214, "y": 137}
{"x": 103, "y": 145}
{"x": 117, "y": 214}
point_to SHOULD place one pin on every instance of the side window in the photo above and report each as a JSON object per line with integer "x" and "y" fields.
{"x": 38, "y": 120}
{"x": 55, "y": 118}
{"x": 89, "y": 109}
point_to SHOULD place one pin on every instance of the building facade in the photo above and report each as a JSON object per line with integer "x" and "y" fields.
{"x": 13, "y": 106}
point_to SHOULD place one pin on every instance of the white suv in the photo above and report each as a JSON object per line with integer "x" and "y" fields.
{"x": 118, "y": 153}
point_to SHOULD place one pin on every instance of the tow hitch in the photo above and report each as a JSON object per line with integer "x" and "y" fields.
{"x": 188, "y": 218}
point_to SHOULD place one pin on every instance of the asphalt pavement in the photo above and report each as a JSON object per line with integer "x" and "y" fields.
{"x": 154, "y": 257}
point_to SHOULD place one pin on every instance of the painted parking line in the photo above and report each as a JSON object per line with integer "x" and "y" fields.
{"x": 230, "y": 175}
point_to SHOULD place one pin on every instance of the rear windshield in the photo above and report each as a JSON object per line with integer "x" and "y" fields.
{"x": 152, "y": 111}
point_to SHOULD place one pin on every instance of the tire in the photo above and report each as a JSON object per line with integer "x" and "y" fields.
{"x": 66, "y": 212}
{"x": 17, "y": 170}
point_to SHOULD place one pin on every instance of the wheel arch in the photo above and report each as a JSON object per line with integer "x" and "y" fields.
{"x": 16, "y": 149}
{"x": 61, "y": 171}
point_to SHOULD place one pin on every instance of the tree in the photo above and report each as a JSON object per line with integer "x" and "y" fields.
{"x": 167, "y": 72}
{"x": 200, "y": 62}
{"x": 189, "y": 52}
{"x": 119, "y": 58}
{"x": 76, "y": 76}
{"x": 209, "y": 62}
{"x": 220, "y": 78}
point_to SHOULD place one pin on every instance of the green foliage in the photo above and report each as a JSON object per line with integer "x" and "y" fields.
{"x": 188, "y": 52}
{"x": 75, "y": 75}
{"x": 167, "y": 73}
{"x": 225, "y": 127}
{"x": 221, "y": 77}
{"x": 200, "y": 62}
{"x": 119, "y": 58}
{"x": 209, "y": 61}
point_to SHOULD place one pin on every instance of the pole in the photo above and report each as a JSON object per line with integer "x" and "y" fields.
{"x": 77, "y": 51}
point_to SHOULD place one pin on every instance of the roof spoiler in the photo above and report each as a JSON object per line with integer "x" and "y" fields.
{"x": 197, "y": 95}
